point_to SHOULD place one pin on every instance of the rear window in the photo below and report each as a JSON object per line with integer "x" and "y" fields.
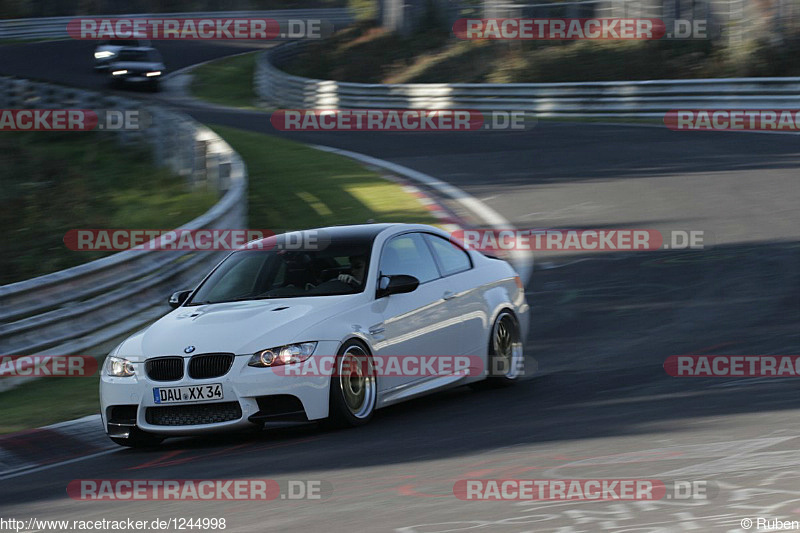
{"x": 451, "y": 258}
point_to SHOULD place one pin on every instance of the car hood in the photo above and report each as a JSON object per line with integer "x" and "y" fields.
{"x": 137, "y": 66}
{"x": 233, "y": 327}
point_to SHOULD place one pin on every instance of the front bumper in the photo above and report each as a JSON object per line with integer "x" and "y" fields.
{"x": 136, "y": 78}
{"x": 247, "y": 391}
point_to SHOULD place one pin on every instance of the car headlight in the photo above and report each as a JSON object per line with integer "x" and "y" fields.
{"x": 154, "y": 73}
{"x": 283, "y": 355}
{"x": 119, "y": 367}
{"x": 119, "y": 72}
{"x": 103, "y": 54}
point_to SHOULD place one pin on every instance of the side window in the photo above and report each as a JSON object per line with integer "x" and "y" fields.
{"x": 452, "y": 259}
{"x": 408, "y": 254}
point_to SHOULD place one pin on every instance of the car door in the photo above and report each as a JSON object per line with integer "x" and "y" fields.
{"x": 462, "y": 294}
{"x": 418, "y": 323}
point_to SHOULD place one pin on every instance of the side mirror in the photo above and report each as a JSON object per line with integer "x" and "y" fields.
{"x": 398, "y": 284}
{"x": 178, "y": 298}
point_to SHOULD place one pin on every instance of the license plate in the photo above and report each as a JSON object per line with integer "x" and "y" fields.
{"x": 199, "y": 393}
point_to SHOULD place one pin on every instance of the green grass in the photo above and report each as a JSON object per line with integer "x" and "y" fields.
{"x": 46, "y": 401}
{"x": 227, "y": 81}
{"x": 54, "y": 182}
{"x": 293, "y": 186}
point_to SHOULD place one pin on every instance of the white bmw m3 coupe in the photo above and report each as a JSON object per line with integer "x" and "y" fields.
{"x": 319, "y": 325}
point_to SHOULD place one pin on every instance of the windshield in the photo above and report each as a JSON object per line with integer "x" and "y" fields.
{"x": 264, "y": 274}
{"x": 121, "y": 42}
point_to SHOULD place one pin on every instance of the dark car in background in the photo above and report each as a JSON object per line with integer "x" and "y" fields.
{"x": 107, "y": 50}
{"x": 141, "y": 65}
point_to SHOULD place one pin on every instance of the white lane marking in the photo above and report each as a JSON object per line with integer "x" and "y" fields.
{"x": 54, "y": 465}
{"x": 88, "y": 419}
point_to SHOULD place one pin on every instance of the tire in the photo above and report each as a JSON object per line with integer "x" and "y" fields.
{"x": 354, "y": 387}
{"x": 506, "y": 357}
{"x": 138, "y": 439}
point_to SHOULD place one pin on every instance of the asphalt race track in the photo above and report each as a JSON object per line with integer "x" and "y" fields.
{"x": 603, "y": 324}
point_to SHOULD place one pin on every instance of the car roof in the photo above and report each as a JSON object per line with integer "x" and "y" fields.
{"x": 108, "y": 40}
{"x": 354, "y": 232}
{"x": 136, "y": 48}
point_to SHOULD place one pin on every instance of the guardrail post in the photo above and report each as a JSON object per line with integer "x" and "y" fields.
{"x": 16, "y": 94}
{"x": 224, "y": 173}
{"x": 158, "y": 140}
{"x": 5, "y": 87}
{"x": 212, "y": 171}
{"x": 199, "y": 175}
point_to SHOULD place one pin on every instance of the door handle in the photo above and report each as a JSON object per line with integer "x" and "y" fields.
{"x": 449, "y": 295}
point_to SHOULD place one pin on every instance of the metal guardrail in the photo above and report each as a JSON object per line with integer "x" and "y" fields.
{"x": 70, "y": 311}
{"x": 83, "y": 307}
{"x": 56, "y": 27}
{"x": 646, "y": 99}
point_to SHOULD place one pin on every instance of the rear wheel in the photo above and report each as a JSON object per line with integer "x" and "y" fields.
{"x": 354, "y": 388}
{"x": 506, "y": 357}
{"x": 138, "y": 439}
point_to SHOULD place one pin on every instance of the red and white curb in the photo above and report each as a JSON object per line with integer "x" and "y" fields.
{"x": 448, "y": 220}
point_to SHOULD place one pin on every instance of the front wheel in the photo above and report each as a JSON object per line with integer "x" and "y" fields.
{"x": 354, "y": 388}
